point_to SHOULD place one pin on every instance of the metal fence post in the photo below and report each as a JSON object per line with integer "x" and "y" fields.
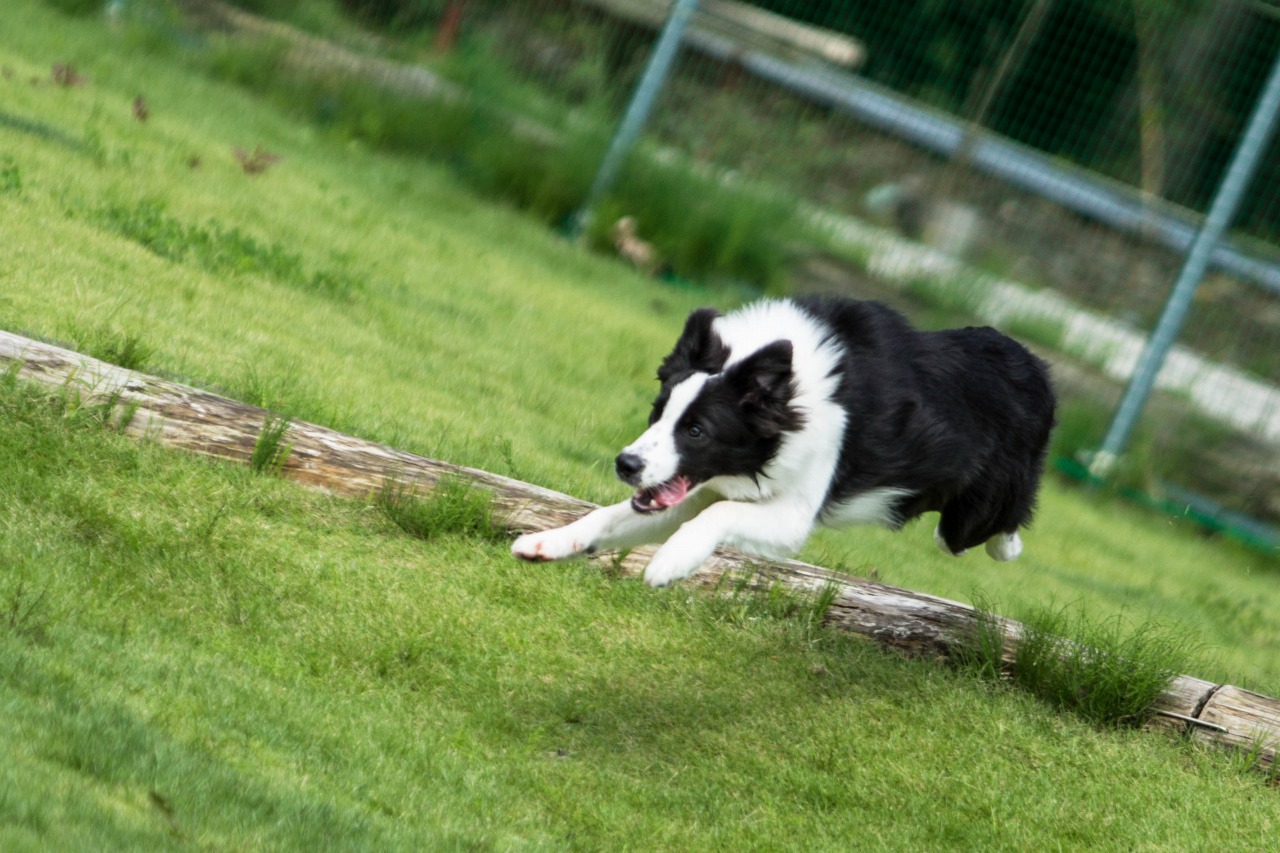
{"x": 1247, "y": 154}
{"x": 624, "y": 138}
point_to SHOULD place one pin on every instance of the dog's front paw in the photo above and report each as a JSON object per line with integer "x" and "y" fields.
{"x": 665, "y": 568}
{"x": 547, "y": 545}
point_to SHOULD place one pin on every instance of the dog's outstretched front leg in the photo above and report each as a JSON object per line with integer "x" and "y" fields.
{"x": 761, "y": 529}
{"x": 605, "y": 529}
{"x": 581, "y": 536}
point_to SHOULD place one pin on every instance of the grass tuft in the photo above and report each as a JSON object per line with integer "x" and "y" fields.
{"x": 220, "y": 250}
{"x": 1263, "y": 755}
{"x": 980, "y": 651}
{"x": 123, "y": 349}
{"x": 1046, "y": 331}
{"x": 77, "y": 8}
{"x": 271, "y": 451}
{"x": 704, "y": 224}
{"x": 452, "y": 507}
{"x": 1108, "y": 674}
{"x": 746, "y": 598}
{"x": 10, "y": 177}
{"x": 22, "y": 613}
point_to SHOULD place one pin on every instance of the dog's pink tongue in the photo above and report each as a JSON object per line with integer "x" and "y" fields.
{"x": 671, "y": 492}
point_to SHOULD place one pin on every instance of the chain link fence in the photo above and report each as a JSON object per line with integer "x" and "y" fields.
{"x": 1040, "y": 165}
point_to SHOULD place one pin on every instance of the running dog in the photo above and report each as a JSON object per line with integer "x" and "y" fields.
{"x": 793, "y": 413}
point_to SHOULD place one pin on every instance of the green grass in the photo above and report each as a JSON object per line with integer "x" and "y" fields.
{"x": 1046, "y": 331}
{"x": 190, "y": 655}
{"x": 271, "y": 451}
{"x": 490, "y": 344}
{"x": 702, "y": 224}
{"x": 1108, "y": 672}
{"x": 194, "y": 655}
{"x": 452, "y": 506}
{"x": 127, "y": 350}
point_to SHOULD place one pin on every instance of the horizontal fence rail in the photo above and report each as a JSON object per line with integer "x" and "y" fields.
{"x": 1110, "y": 203}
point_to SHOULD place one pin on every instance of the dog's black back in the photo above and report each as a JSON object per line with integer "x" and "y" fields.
{"x": 960, "y": 419}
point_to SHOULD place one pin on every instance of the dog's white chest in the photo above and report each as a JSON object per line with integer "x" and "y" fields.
{"x": 872, "y": 507}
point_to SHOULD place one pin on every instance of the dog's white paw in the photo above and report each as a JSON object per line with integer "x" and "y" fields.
{"x": 943, "y": 546}
{"x": 556, "y": 544}
{"x": 1004, "y": 546}
{"x": 666, "y": 568}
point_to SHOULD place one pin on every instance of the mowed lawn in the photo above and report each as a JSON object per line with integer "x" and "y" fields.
{"x": 193, "y": 655}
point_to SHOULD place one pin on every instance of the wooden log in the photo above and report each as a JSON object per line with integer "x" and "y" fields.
{"x": 179, "y": 416}
{"x": 744, "y": 27}
{"x": 1246, "y": 720}
{"x": 450, "y": 26}
{"x": 747, "y": 21}
{"x": 313, "y": 55}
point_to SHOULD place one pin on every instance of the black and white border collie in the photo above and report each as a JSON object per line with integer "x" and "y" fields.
{"x": 792, "y": 413}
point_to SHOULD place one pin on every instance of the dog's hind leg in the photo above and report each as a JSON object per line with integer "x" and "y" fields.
{"x": 608, "y": 528}
{"x": 941, "y": 542}
{"x": 1005, "y": 546}
{"x": 963, "y": 526}
{"x": 984, "y": 513}
{"x": 1002, "y": 546}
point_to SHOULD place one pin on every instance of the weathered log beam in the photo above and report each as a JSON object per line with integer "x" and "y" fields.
{"x": 309, "y": 54}
{"x": 180, "y": 416}
{"x": 744, "y": 27}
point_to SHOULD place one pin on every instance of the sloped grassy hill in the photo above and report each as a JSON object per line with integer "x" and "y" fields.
{"x": 193, "y": 655}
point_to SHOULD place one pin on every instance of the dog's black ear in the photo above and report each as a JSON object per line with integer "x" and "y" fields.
{"x": 699, "y": 348}
{"x": 763, "y": 383}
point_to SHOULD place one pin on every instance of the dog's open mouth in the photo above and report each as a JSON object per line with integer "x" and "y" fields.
{"x": 663, "y": 495}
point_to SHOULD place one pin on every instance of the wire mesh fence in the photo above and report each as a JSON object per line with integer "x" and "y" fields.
{"x": 1040, "y": 165}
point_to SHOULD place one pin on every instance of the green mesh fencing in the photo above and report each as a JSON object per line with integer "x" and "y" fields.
{"x": 1039, "y": 165}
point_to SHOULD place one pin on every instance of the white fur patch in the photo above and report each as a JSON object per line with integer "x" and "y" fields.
{"x": 1004, "y": 546}
{"x": 776, "y": 530}
{"x": 805, "y": 462}
{"x": 555, "y": 544}
{"x": 656, "y": 447}
{"x": 871, "y": 507}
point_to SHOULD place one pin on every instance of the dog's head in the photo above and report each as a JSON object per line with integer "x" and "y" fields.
{"x": 710, "y": 420}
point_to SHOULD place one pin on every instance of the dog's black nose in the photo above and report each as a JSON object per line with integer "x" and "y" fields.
{"x": 628, "y": 466}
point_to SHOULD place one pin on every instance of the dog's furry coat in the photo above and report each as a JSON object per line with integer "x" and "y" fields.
{"x": 791, "y": 413}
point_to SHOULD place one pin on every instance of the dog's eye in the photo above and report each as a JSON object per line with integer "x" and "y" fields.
{"x": 694, "y": 431}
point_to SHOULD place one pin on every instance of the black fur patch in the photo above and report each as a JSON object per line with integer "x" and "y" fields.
{"x": 961, "y": 418}
{"x": 736, "y": 423}
{"x": 699, "y": 350}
